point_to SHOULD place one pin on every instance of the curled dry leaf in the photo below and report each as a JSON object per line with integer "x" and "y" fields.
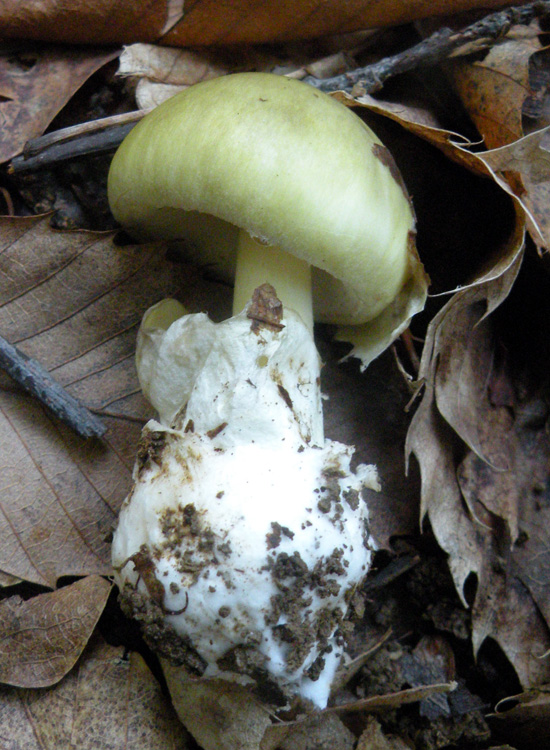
{"x": 473, "y": 550}
{"x": 279, "y": 20}
{"x": 528, "y": 155}
{"x": 43, "y": 637}
{"x": 494, "y": 89}
{"x": 499, "y": 92}
{"x": 497, "y": 470}
{"x": 455, "y": 353}
{"x": 107, "y": 701}
{"x": 162, "y": 72}
{"x": 522, "y": 168}
{"x": 35, "y": 83}
{"x": 467, "y": 399}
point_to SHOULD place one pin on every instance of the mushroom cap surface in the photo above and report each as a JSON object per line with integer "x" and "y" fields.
{"x": 290, "y": 165}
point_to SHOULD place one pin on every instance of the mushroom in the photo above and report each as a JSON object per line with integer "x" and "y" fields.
{"x": 246, "y": 531}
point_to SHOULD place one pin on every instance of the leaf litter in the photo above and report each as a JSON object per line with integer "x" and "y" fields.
{"x": 74, "y": 305}
{"x": 107, "y": 701}
{"x": 35, "y": 83}
{"x": 205, "y": 23}
{"x": 44, "y": 636}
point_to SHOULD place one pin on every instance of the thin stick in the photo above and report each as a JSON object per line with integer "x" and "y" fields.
{"x": 31, "y": 376}
{"x": 438, "y": 47}
{"x": 95, "y": 137}
{"x": 395, "y": 700}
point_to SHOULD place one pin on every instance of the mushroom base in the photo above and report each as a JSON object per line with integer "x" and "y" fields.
{"x": 246, "y": 533}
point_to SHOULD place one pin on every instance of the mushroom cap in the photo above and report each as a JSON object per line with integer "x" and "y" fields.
{"x": 288, "y": 164}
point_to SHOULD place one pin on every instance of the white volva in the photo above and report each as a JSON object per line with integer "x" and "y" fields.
{"x": 246, "y": 532}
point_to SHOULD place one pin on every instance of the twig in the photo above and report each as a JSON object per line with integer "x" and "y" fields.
{"x": 37, "y": 381}
{"x": 433, "y": 50}
{"x": 94, "y": 137}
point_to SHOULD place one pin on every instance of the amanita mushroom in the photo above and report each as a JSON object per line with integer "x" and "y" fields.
{"x": 246, "y": 533}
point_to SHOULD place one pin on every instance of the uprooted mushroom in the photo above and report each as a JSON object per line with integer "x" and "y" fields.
{"x": 246, "y": 532}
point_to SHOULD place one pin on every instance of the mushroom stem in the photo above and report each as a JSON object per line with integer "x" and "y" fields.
{"x": 258, "y": 263}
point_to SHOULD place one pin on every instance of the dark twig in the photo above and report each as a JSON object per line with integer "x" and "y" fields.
{"x": 433, "y": 50}
{"x": 94, "y": 137}
{"x": 37, "y": 381}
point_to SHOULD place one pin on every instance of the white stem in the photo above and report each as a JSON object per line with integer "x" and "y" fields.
{"x": 258, "y": 264}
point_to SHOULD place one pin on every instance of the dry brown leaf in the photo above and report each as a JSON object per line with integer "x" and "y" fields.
{"x": 522, "y": 168}
{"x": 84, "y": 21}
{"x": 472, "y": 551}
{"x": 512, "y": 412}
{"x": 465, "y": 360}
{"x": 107, "y": 701}
{"x": 207, "y": 22}
{"x": 162, "y": 72}
{"x": 497, "y": 92}
{"x": 529, "y": 156}
{"x": 35, "y": 83}
{"x": 73, "y": 301}
{"x": 43, "y": 637}
{"x": 494, "y": 89}
{"x": 498, "y": 471}
{"x": 506, "y": 612}
{"x": 241, "y": 722}
{"x": 512, "y": 465}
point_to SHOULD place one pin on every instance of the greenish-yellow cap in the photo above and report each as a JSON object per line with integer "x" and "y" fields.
{"x": 283, "y": 161}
